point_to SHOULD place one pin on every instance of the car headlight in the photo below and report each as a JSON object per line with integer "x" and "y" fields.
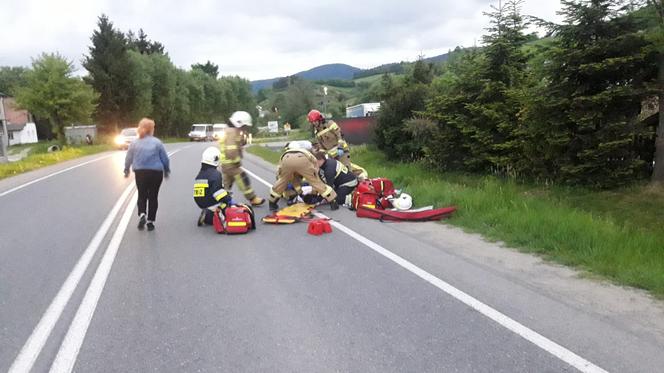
{"x": 119, "y": 140}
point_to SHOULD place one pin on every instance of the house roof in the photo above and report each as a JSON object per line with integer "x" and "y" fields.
{"x": 15, "y": 127}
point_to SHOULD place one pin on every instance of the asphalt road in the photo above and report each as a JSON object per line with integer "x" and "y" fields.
{"x": 385, "y": 297}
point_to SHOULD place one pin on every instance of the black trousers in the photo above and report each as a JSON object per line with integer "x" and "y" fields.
{"x": 148, "y": 183}
{"x": 342, "y": 192}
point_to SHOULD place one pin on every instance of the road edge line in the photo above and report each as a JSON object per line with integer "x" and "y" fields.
{"x": 14, "y": 189}
{"x": 514, "y": 326}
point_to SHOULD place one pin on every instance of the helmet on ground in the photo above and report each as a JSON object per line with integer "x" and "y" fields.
{"x": 211, "y": 156}
{"x": 404, "y": 202}
{"x": 315, "y": 116}
{"x": 240, "y": 119}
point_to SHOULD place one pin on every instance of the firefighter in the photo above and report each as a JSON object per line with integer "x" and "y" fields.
{"x": 231, "y": 144}
{"x": 329, "y": 137}
{"x": 296, "y": 163}
{"x": 336, "y": 175}
{"x": 209, "y": 193}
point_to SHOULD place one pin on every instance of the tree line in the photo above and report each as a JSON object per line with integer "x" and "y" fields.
{"x": 128, "y": 77}
{"x": 577, "y": 107}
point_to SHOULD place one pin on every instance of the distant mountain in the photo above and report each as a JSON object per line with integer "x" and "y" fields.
{"x": 323, "y": 72}
{"x": 340, "y": 71}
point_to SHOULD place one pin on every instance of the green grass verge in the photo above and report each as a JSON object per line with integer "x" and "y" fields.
{"x": 265, "y": 153}
{"x": 39, "y": 157}
{"x": 616, "y": 234}
{"x": 297, "y": 134}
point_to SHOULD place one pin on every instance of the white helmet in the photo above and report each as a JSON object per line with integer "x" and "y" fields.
{"x": 403, "y": 203}
{"x": 211, "y": 156}
{"x": 241, "y": 119}
{"x": 301, "y": 144}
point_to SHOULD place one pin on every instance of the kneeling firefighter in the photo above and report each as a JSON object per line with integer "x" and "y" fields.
{"x": 336, "y": 175}
{"x": 231, "y": 157}
{"x": 209, "y": 193}
{"x": 296, "y": 163}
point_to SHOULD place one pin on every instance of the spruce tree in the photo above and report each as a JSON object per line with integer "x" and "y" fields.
{"x": 584, "y": 122}
{"x": 109, "y": 67}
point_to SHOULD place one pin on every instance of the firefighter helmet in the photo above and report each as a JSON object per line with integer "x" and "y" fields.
{"x": 403, "y": 203}
{"x": 240, "y": 119}
{"x": 211, "y": 156}
{"x": 315, "y": 116}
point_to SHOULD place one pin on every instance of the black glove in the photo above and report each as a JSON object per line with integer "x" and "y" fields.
{"x": 126, "y": 173}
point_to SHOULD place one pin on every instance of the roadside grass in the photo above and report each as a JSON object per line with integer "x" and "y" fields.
{"x": 265, "y": 153}
{"x": 295, "y": 134}
{"x": 616, "y": 234}
{"x": 39, "y": 157}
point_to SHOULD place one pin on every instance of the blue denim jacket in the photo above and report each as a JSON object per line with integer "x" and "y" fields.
{"x": 147, "y": 153}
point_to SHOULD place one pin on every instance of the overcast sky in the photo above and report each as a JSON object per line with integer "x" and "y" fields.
{"x": 256, "y": 39}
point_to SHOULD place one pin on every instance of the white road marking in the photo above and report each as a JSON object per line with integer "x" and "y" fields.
{"x": 32, "y": 348}
{"x": 71, "y": 345}
{"x": 35, "y": 343}
{"x": 53, "y": 174}
{"x": 528, "y": 334}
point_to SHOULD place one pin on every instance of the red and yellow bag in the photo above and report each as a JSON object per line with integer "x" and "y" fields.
{"x": 239, "y": 219}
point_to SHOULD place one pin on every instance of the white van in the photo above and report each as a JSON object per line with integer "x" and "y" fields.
{"x": 200, "y": 132}
{"x": 218, "y": 130}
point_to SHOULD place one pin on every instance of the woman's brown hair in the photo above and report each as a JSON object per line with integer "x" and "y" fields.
{"x": 145, "y": 127}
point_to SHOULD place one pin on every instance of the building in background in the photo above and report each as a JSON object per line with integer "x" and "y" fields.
{"x": 20, "y": 125}
{"x": 25, "y": 133}
{"x": 368, "y": 109}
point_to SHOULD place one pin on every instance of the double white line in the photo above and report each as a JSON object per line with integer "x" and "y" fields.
{"x": 66, "y": 357}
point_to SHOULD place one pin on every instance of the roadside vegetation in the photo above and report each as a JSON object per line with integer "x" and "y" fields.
{"x": 615, "y": 234}
{"x": 40, "y": 157}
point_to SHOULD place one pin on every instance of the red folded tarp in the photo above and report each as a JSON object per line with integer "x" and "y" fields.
{"x": 390, "y": 215}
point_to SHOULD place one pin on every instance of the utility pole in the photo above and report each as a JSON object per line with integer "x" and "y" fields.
{"x": 4, "y": 138}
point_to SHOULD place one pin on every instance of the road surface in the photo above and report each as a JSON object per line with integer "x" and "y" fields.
{"x": 82, "y": 289}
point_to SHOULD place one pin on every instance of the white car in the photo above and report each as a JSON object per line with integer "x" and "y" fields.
{"x": 218, "y": 130}
{"x": 201, "y": 132}
{"x": 126, "y": 137}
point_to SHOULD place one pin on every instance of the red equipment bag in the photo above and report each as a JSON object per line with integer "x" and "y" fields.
{"x": 390, "y": 215}
{"x": 384, "y": 187}
{"x": 239, "y": 219}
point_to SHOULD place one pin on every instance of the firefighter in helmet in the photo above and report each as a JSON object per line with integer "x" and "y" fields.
{"x": 329, "y": 137}
{"x": 231, "y": 144}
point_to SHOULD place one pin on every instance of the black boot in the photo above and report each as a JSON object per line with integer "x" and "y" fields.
{"x": 334, "y": 205}
{"x": 274, "y": 206}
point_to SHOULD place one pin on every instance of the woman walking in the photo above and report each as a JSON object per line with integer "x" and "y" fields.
{"x": 148, "y": 158}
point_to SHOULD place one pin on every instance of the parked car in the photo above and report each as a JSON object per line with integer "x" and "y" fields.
{"x": 126, "y": 137}
{"x": 218, "y": 130}
{"x": 201, "y": 132}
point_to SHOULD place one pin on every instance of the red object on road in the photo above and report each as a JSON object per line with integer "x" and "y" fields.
{"x": 217, "y": 223}
{"x": 317, "y": 227}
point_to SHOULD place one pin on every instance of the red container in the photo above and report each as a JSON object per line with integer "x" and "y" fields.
{"x": 315, "y": 228}
{"x": 327, "y": 228}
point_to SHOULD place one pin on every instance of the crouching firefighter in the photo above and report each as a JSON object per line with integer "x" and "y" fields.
{"x": 336, "y": 175}
{"x": 209, "y": 193}
{"x": 231, "y": 157}
{"x": 296, "y": 163}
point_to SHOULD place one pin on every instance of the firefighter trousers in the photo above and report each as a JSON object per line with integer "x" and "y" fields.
{"x": 292, "y": 168}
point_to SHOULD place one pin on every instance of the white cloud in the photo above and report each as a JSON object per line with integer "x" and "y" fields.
{"x": 257, "y": 39}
